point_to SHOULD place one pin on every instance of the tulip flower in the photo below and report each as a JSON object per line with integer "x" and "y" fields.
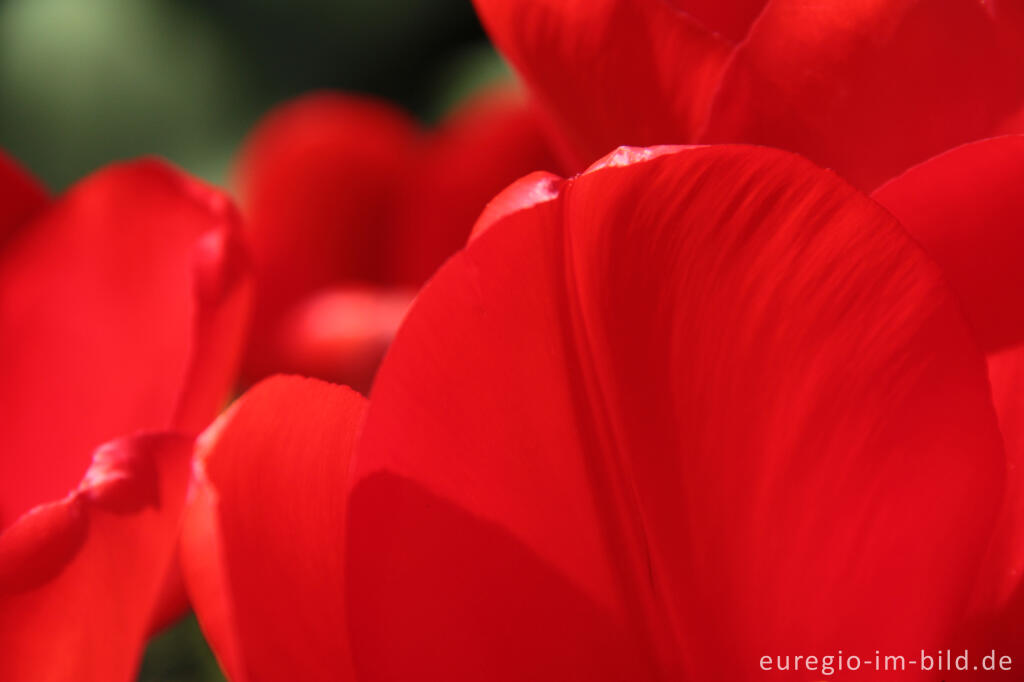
{"x": 693, "y": 407}
{"x": 865, "y": 87}
{"x": 350, "y": 208}
{"x": 122, "y": 305}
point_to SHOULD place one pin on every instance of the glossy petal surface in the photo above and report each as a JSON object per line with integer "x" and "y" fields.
{"x": 702, "y": 404}
{"x": 609, "y": 72}
{"x": 865, "y": 87}
{"x": 80, "y": 577}
{"x": 121, "y": 308}
{"x": 264, "y": 532}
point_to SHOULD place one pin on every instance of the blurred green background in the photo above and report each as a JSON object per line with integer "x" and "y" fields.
{"x": 83, "y": 83}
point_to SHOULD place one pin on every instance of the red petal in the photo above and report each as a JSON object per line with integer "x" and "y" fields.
{"x": 1004, "y": 567}
{"x": 610, "y": 72}
{"x": 731, "y": 18}
{"x": 21, "y": 197}
{"x": 1014, "y": 124}
{"x": 997, "y": 608}
{"x": 318, "y": 179}
{"x": 262, "y": 547}
{"x": 1008, "y": 16}
{"x": 867, "y": 88}
{"x": 120, "y": 309}
{"x": 966, "y": 208}
{"x": 80, "y": 577}
{"x": 341, "y": 334}
{"x": 530, "y": 190}
{"x": 706, "y": 404}
{"x": 487, "y": 143}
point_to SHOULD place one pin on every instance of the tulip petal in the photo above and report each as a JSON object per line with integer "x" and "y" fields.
{"x": 263, "y": 539}
{"x": 731, "y": 19}
{"x": 529, "y": 190}
{"x": 1004, "y": 566}
{"x": 865, "y": 87}
{"x": 715, "y": 393}
{"x": 80, "y": 577}
{"x": 966, "y": 208}
{"x": 609, "y": 72}
{"x": 121, "y": 308}
{"x": 340, "y": 334}
{"x": 318, "y": 179}
{"x": 21, "y": 196}
{"x": 996, "y": 616}
{"x": 488, "y": 142}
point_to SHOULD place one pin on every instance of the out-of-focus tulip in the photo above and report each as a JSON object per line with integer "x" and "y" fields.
{"x": 346, "y": 198}
{"x": 866, "y": 87}
{"x": 122, "y": 312}
{"x": 690, "y": 408}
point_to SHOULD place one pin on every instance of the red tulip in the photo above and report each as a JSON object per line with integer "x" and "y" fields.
{"x": 693, "y": 407}
{"x": 121, "y": 316}
{"x": 867, "y": 87}
{"x": 347, "y": 200}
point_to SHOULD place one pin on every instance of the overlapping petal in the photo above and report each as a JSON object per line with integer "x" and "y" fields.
{"x": 121, "y": 308}
{"x": 610, "y": 72}
{"x": 485, "y": 144}
{"x": 695, "y": 406}
{"x": 346, "y": 193}
{"x": 264, "y": 531}
{"x": 966, "y": 210}
{"x": 318, "y": 179}
{"x": 81, "y": 576}
{"x": 865, "y": 87}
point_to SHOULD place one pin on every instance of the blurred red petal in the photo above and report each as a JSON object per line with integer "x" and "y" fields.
{"x": 341, "y": 334}
{"x": 223, "y": 287}
{"x": 603, "y": 413}
{"x": 264, "y": 531}
{"x": 867, "y": 88}
{"x": 488, "y": 142}
{"x": 966, "y": 208}
{"x": 610, "y": 72}
{"x": 121, "y": 308}
{"x": 21, "y": 197}
{"x": 80, "y": 576}
{"x": 318, "y": 179}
